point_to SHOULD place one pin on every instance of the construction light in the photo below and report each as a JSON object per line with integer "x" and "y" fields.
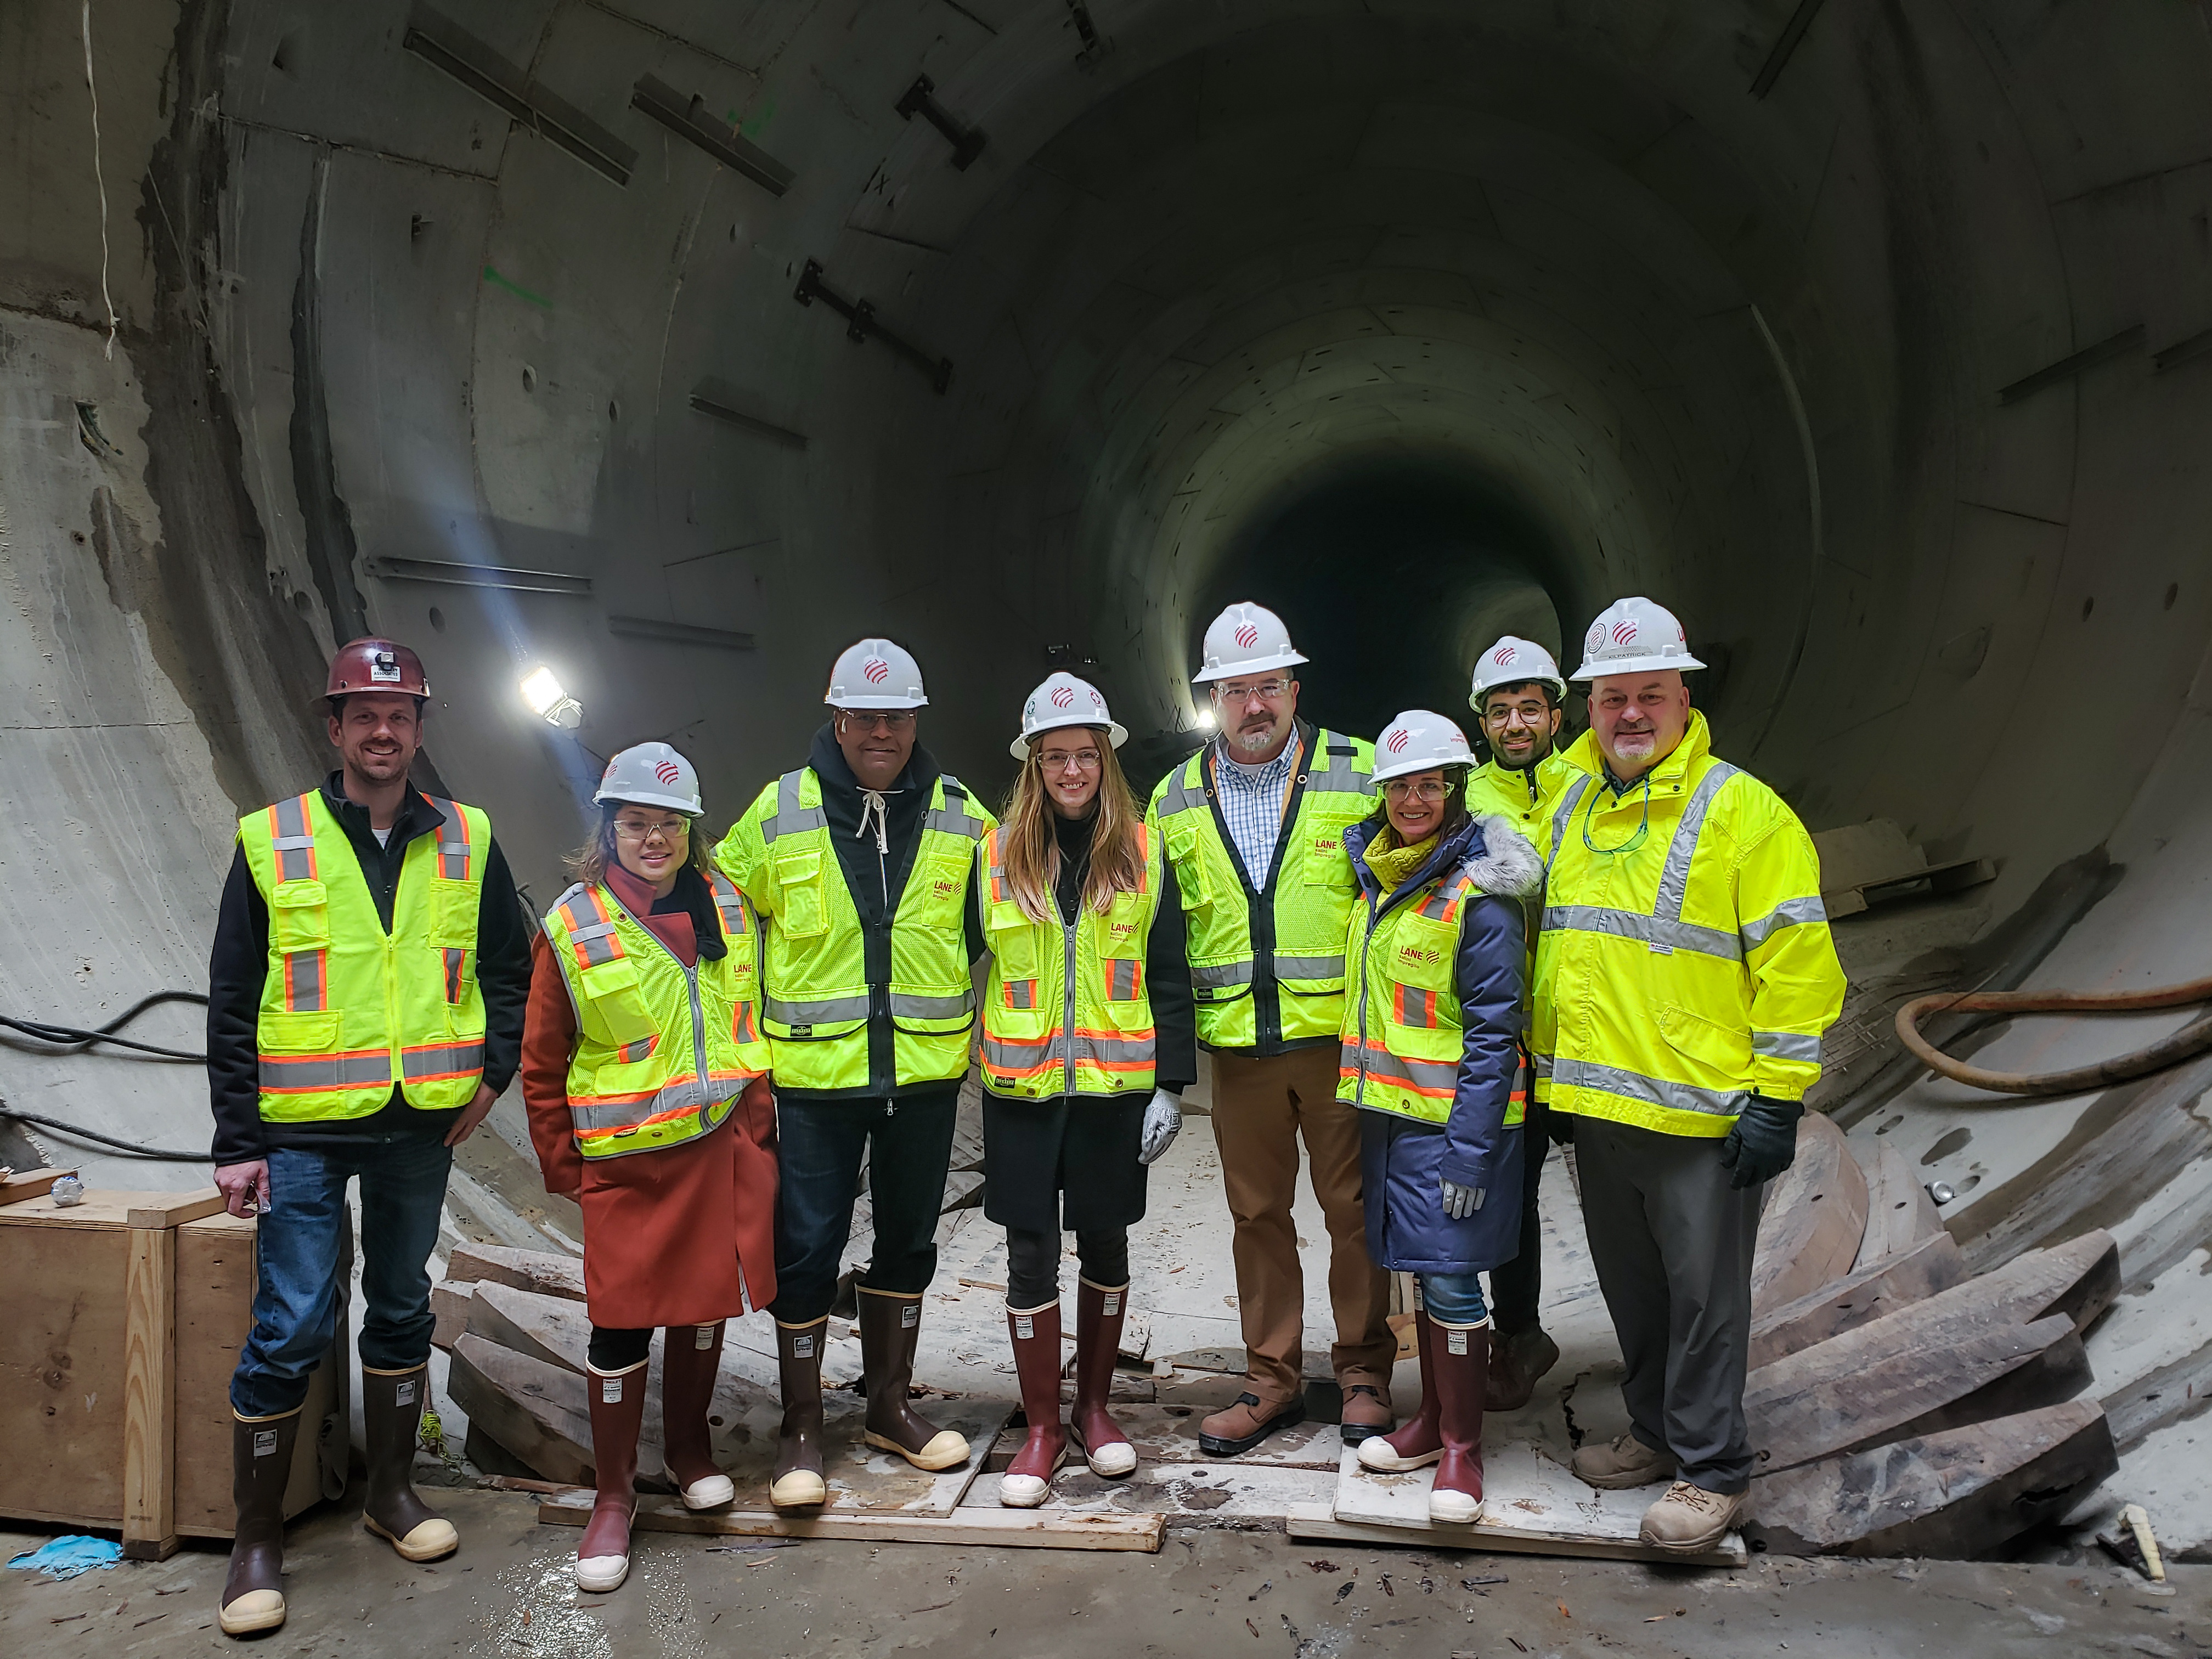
{"x": 1205, "y": 720}
{"x": 541, "y": 690}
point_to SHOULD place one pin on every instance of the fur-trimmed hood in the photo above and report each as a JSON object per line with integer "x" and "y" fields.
{"x": 1492, "y": 851}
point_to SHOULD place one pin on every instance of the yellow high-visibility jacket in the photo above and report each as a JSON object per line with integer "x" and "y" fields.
{"x": 1686, "y": 960}
{"x": 1524, "y": 799}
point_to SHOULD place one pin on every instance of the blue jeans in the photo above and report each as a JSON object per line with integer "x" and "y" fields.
{"x": 818, "y": 1147}
{"x": 300, "y": 1242}
{"x": 1453, "y": 1299}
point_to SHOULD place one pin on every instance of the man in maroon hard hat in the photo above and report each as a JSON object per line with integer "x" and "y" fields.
{"x": 365, "y": 1005}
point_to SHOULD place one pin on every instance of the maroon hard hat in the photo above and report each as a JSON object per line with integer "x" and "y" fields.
{"x": 375, "y": 665}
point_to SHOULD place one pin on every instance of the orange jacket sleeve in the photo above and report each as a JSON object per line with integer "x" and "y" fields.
{"x": 549, "y": 1040}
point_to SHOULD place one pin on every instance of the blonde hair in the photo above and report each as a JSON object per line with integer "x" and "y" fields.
{"x": 1028, "y": 849}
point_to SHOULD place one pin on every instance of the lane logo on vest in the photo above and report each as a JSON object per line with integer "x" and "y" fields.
{"x": 1247, "y": 636}
{"x": 876, "y": 671}
{"x": 1419, "y": 956}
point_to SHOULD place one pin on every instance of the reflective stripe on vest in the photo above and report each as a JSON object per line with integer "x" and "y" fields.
{"x": 1663, "y": 931}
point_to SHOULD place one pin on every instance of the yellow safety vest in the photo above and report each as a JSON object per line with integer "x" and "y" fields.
{"x": 817, "y": 1000}
{"x": 1685, "y": 960}
{"x": 1067, "y": 1011}
{"x": 346, "y": 1008}
{"x": 1404, "y": 1032}
{"x": 663, "y": 1051}
{"x": 1523, "y": 798}
{"x": 1297, "y": 923}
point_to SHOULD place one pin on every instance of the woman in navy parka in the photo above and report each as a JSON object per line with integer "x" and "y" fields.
{"x": 1433, "y": 1056}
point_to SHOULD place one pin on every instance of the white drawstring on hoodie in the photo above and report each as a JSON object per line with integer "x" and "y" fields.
{"x": 872, "y": 803}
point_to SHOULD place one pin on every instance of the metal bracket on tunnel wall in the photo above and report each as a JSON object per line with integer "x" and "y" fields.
{"x": 860, "y": 322}
{"x": 966, "y": 146}
{"x": 439, "y": 41}
{"x": 691, "y": 121}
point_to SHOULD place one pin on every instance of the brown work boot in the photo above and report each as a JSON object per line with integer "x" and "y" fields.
{"x": 691, "y": 1355}
{"x": 390, "y": 1411}
{"x": 1233, "y": 1432}
{"x": 617, "y": 1402}
{"x": 1036, "y": 1336}
{"x": 1689, "y": 1519}
{"x": 1463, "y": 1361}
{"x": 260, "y": 1469}
{"x": 1364, "y": 1412}
{"x": 1622, "y": 1463}
{"x": 1420, "y": 1441}
{"x": 1517, "y": 1364}
{"x": 797, "y": 1483}
{"x": 891, "y": 1325}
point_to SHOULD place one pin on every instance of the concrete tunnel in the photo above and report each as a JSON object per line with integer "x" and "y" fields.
{"x": 1874, "y": 340}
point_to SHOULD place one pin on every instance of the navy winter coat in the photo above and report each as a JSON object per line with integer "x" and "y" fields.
{"x": 1404, "y": 1164}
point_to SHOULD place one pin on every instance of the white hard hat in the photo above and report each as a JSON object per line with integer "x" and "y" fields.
{"x": 1063, "y": 700}
{"x": 1246, "y": 639}
{"x": 1417, "y": 741}
{"x": 1510, "y": 662}
{"x": 876, "y": 674}
{"x": 1632, "y": 637}
{"x": 651, "y": 774}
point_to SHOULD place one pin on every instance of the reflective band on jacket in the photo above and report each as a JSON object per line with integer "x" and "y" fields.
{"x": 1310, "y": 896}
{"x": 347, "y": 1008}
{"x": 817, "y": 1000}
{"x": 1065, "y": 1010}
{"x": 1649, "y": 1091}
{"x": 661, "y": 1051}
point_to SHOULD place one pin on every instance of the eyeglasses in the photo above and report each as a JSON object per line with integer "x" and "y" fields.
{"x": 669, "y": 830}
{"x": 870, "y": 719}
{"x": 1266, "y": 691}
{"x": 1076, "y": 760}
{"x": 1427, "y": 790}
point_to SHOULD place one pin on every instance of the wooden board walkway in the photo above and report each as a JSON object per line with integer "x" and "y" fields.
{"x": 994, "y": 1527}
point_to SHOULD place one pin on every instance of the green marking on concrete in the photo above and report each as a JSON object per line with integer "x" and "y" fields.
{"x": 513, "y": 287}
{"x": 754, "y": 128}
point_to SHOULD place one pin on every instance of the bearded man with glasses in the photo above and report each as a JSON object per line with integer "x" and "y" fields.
{"x": 1254, "y": 827}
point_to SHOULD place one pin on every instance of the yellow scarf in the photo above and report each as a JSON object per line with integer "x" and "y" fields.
{"x": 1391, "y": 863}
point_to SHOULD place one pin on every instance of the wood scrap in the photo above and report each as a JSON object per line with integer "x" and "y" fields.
{"x": 545, "y": 1328}
{"x": 539, "y": 1270}
{"x": 1899, "y": 1212}
{"x": 15, "y": 1187}
{"x": 1932, "y": 1265}
{"x": 1873, "y": 863}
{"x": 449, "y": 1306}
{"x": 1962, "y": 1492}
{"x": 989, "y": 1528}
{"x": 536, "y": 1411}
{"x": 1814, "y": 1220}
{"x": 1317, "y": 1523}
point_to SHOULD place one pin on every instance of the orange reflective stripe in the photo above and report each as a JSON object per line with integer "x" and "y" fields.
{"x": 594, "y": 941}
{"x": 741, "y": 1023}
{"x": 1019, "y": 994}
{"x": 307, "y": 982}
{"x": 1416, "y": 1008}
{"x": 1125, "y": 978}
{"x": 291, "y": 833}
{"x": 455, "y": 851}
{"x": 727, "y": 902}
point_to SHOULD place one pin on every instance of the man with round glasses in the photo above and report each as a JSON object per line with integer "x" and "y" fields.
{"x": 1683, "y": 979}
{"x": 1254, "y": 826}
{"x": 861, "y": 864}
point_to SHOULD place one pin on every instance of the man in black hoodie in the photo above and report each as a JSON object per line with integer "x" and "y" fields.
{"x": 861, "y": 864}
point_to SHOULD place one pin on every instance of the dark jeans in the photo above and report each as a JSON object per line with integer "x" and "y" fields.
{"x": 1033, "y": 1264}
{"x": 300, "y": 1245}
{"x": 819, "y": 1143}
{"x": 1517, "y": 1286}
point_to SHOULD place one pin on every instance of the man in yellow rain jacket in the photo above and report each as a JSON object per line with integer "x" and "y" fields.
{"x": 1683, "y": 980}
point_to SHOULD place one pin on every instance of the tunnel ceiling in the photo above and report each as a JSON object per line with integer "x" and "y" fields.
{"x": 1741, "y": 352}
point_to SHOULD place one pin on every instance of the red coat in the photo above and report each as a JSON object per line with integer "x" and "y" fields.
{"x": 685, "y": 1235}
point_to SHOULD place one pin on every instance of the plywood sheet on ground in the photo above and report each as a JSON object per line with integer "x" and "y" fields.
{"x": 1188, "y": 1494}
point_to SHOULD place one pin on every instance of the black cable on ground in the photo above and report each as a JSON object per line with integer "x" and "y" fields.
{"x": 71, "y": 1039}
{"x": 125, "y": 1148}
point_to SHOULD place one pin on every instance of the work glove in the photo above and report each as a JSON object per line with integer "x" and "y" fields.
{"x": 1763, "y": 1142}
{"x": 1461, "y": 1202}
{"x": 1163, "y": 1123}
{"x": 1560, "y": 1125}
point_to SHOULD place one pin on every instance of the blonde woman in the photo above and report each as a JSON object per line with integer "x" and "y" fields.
{"x": 1088, "y": 1044}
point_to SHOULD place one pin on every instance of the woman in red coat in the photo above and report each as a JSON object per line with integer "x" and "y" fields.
{"x": 644, "y": 1070}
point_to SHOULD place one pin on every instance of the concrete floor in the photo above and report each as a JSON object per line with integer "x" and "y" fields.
{"x": 508, "y": 1593}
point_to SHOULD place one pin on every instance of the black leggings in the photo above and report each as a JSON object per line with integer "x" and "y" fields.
{"x": 1033, "y": 1263}
{"x": 613, "y": 1349}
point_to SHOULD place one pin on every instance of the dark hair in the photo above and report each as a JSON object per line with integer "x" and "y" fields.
{"x": 589, "y": 862}
{"x": 1455, "y": 813}
{"x": 1550, "y": 698}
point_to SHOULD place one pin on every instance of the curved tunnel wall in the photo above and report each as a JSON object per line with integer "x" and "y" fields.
{"x": 1556, "y": 264}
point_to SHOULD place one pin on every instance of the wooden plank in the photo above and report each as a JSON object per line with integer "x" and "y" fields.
{"x": 539, "y": 1411}
{"x": 100, "y": 1209}
{"x": 1000, "y": 1528}
{"x": 1317, "y": 1523}
{"x": 2059, "y": 1373}
{"x": 1229, "y": 1493}
{"x": 1860, "y": 1388}
{"x": 546, "y": 1327}
{"x": 62, "y": 1351}
{"x": 149, "y": 1300}
{"x": 29, "y": 1183}
{"x": 1815, "y": 1216}
{"x": 1932, "y": 1265}
{"x": 1899, "y": 1212}
{"x": 1963, "y": 1492}
{"x": 539, "y": 1270}
{"x": 175, "y": 1209}
{"x": 1530, "y": 1503}
{"x": 449, "y": 1306}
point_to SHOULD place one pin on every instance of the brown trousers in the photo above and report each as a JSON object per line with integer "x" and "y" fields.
{"x": 1260, "y": 1108}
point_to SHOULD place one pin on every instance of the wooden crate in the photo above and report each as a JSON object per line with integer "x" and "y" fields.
{"x": 121, "y": 1320}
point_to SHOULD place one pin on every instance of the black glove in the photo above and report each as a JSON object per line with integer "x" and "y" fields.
{"x": 1763, "y": 1142}
{"x": 1560, "y": 1125}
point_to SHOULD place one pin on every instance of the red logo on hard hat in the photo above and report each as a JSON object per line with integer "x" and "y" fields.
{"x": 1623, "y": 632}
{"x": 1246, "y": 635}
{"x": 1504, "y": 656}
{"x": 667, "y": 772}
{"x": 1396, "y": 742}
{"x": 876, "y": 671}
{"x": 1063, "y": 696}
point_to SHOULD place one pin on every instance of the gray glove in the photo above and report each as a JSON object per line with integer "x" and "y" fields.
{"x": 1163, "y": 1123}
{"x": 1461, "y": 1202}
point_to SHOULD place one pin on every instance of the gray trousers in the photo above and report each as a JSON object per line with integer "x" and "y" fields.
{"x": 1672, "y": 1245}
